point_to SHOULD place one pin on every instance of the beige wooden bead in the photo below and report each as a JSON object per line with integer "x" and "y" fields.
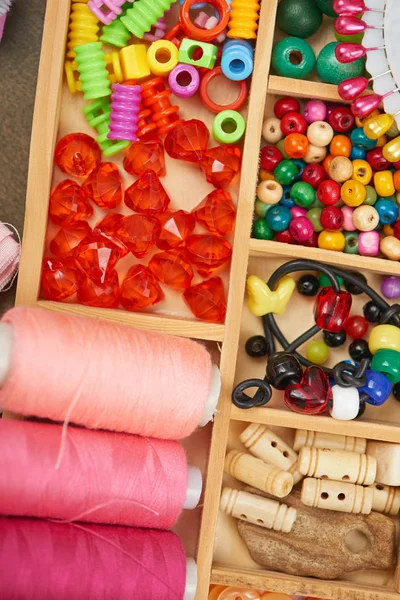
{"x": 390, "y": 247}
{"x": 260, "y": 511}
{"x": 387, "y": 457}
{"x": 365, "y": 218}
{"x": 340, "y": 169}
{"x": 386, "y": 499}
{"x": 269, "y": 192}
{"x": 271, "y": 130}
{"x": 329, "y": 441}
{"x": 294, "y": 471}
{"x": 320, "y": 134}
{"x": 268, "y": 446}
{"x": 338, "y": 465}
{"x": 335, "y": 495}
{"x": 257, "y": 473}
{"x": 314, "y": 154}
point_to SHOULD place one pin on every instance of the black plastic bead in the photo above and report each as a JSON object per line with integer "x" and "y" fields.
{"x": 334, "y": 339}
{"x": 353, "y": 289}
{"x": 358, "y": 349}
{"x": 256, "y": 346}
{"x": 396, "y": 391}
{"x": 372, "y": 312}
{"x": 363, "y": 406}
{"x": 283, "y": 369}
{"x": 308, "y": 285}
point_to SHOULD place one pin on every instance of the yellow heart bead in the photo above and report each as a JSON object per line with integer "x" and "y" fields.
{"x": 362, "y": 171}
{"x": 332, "y": 240}
{"x": 384, "y": 337}
{"x": 353, "y": 193}
{"x": 263, "y": 301}
{"x": 375, "y": 127}
{"x": 384, "y": 184}
{"x": 391, "y": 151}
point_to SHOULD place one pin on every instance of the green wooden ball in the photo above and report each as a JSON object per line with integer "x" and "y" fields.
{"x": 293, "y": 57}
{"x": 300, "y": 18}
{"x": 261, "y": 231}
{"x": 330, "y": 70}
{"x": 327, "y": 7}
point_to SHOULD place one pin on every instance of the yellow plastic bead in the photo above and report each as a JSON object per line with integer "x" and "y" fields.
{"x": 114, "y": 67}
{"x": 391, "y": 151}
{"x": 266, "y": 175}
{"x": 384, "y": 184}
{"x": 263, "y": 301}
{"x": 134, "y": 62}
{"x": 384, "y": 337}
{"x": 162, "y": 57}
{"x": 353, "y": 193}
{"x": 317, "y": 352}
{"x": 375, "y": 127}
{"x": 381, "y": 141}
{"x": 332, "y": 240}
{"x": 361, "y": 122}
{"x": 362, "y": 171}
{"x": 72, "y": 75}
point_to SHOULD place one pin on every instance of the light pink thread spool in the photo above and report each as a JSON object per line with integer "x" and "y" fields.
{"x": 125, "y": 102}
{"x": 10, "y": 250}
{"x": 113, "y": 9}
{"x": 157, "y": 31}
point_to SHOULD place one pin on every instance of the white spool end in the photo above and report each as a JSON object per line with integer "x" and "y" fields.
{"x": 194, "y": 487}
{"x": 191, "y": 579}
{"x": 213, "y": 397}
{"x": 6, "y": 346}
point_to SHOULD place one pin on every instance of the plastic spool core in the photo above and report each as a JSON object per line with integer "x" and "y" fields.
{"x": 213, "y": 397}
{"x": 191, "y": 579}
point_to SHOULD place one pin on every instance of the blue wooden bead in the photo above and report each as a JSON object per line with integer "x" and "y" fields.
{"x": 357, "y": 153}
{"x": 301, "y": 165}
{"x": 237, "y": 60}
{"x": 378, "y": 388}
{"x": 286, "y": 199}
{"x": 388, "y": 211}
{"x": 360, "y": 140}
{"x": 278, "y": 218}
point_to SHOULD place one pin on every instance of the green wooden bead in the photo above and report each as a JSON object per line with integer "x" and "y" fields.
{"x": 286, "y": 172}
{"x": 324, "y": 280}
{"x": 327, "y": 7}
{"x": 351, "y": 244}
{"x": 261, "y": 231}
{"x": 314, "y": 215}
{"x": 228, "y": 127}
{"x": 293, "y": 57}
{"x": 330, "y": 70}
{"x": 261, "y": 209}
{"x": 371, "y": 196}
{"x": 317, "y": 352}
{"x": 281, "y": 146}
{"x": 388, "y": 363}
{"x": 301, "y": 18}
{"x": 303, "y": 194}
{"x": 317, "y": 203}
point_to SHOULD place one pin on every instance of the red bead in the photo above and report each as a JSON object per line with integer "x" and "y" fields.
{"x": 97, "y": 258}
{"x": 313, "y": 174}
{"x": 69, "y": 204}
{"x": 341, "y": 119}
{"x": 221, "y": 164}
{"x": 188, "y": 141}
{"x": 139, "y": 233}
{"x": 331, "y": 218}
{"x": 396, "y": 230}
{"x": 376, "y": 159}
{"x": 105, "y": 295}
{"x": 145, "y": 155}
{"x": 328, "y": 192}
{"x": 285, "y": 105}
{"x": 60, "y": 279}
{"x": 285, "y": 237}
{"x": 77, "y": 154}
{"x": 312, "y": 241}
{"x": 67, "y": 240}
{"x": 147, "y": 195}
{"x": 140, "y": 289}
{"x": 207, "y": 253}
{"x": 311, "y": 396}
{"x": 332, "y": 309}
{"x": 293, "y": 122}
{"x": 270, "y": 157}
{"x": 104, "y": 186}
{"x": 176, "y": 227}
{"x": 216, "y": 212}
{"x": 107, "y": 229}
{"x": 170, "y": 268}
{"x": 356, "y": 327}
{"x": 207, "y": 300}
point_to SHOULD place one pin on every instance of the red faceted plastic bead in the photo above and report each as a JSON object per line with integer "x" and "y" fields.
{"x": 77, "y": 154}
{"x": 144, "y": 155}
{"x": 140, "y": 289}
{"x": 216, "y": 212}
{"x": 104, "y": 186}
{"x": 60, "y": 279}
{"x": 147, "y": 195}
{"x": 109, "y": 225}
{"x": 139, "y": 233}
{"x": 356, "y": 327}
{"x": 67, "y": 240}
{"x": 207, "y": 300}
{"x": 207, "y": 253}
{"x": 188, "y": 141}
{"x": 220, "y": 165}
{"x": 69, "y": 204}
{"x": 311, "y": 396}
{"x": 332, "y": 309}
{"x": 97, "y": 259}
{"x": 176, "y": 227}
{"x": 170, "y": 268}
{"x": 105, "y": 295}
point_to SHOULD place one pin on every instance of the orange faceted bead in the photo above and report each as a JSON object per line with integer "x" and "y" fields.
{"x": 147, "y": 154}
{"x": 147, "y": 195}
{"x": 60, "y": 279}
{"x": 105, "y": 295}
{"x": 207, "y": 300}
{"x": 97, "y": 258}
{"x": 109, "y": 225}
{"x": 220, "y": 165}
{"x": 104, "y": 186}
{"x": 207, "y": 252}
{"x": 170, "y": 268}
{"x": 216, "y": 212}
{"x": 77, "y": 154}
{"x": 139, "y": 233}
{"x": 69, "y": 204}
{"x": 176, "y": 226}
{"x": 188, "y": 141}
{"x": 67, "y": 240}
{"x": 295, "y": 145}
{"x": 140, "y": 289}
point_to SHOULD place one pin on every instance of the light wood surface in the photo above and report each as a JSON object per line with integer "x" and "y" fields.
{"x": 338, "y": 465}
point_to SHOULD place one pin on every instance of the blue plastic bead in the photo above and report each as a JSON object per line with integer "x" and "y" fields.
{"x": 278, "y": 218}
{"x": 388, "y": 211}
{"x": 301, "y": 165}
{"x": 378, "y": 388}
{"x": 360, "y": 140}
{"x": 358, "y": 153}
{"x": 237, "y": 60}
{"x": 286, "y": 200}
{"x": 197, "y": 5}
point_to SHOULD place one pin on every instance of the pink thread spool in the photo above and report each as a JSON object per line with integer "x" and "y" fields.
{"x": 125, "y": 102}
{"x": 353, "y": 7}
{"x": 347, "y": 52}
{"x": 364, "y": 106}
{"x": 106, "y": 10}
{"x": 351, "y": 88}
{"x": 157, "y": 31}
{"x": 10, "y": 251}
{"x": 185, "y": 73}
{"x": 350, "y": 25}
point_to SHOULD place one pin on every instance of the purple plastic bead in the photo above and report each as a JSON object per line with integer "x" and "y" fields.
{"x": 390, "y": 287}
{"x": 315, "y": 110}
{"x": 125, "y": 103}
{"x": 298, "y": 211}
{"x": 106, "y": 16}
{"x": 188, "y": 71}
{"x": 368, "y": 243}
{"x": 301, "y": 229}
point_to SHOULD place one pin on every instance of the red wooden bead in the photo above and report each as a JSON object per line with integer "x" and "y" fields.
{"x": 376, "y": 159}
{"x": 356, "y": 327}
{"x": 285, "y": 237}
{"x": 341, "y": 119}
{"x": 396, "y": 230}
{"x": 207, "y": 300}
{"x": 331, "y": 218}
{"x": 332, "y": 309}
{"x": 285, "y": 105}
{"x": 328, "y": 192}
{"x": 313, "y": 174}
{"x": 312, "y": 242}
{"x": 293, "y": 122}
{"x": 270, "y": 157}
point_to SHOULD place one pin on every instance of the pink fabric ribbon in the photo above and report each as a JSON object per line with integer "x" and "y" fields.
{"x": 10, "y": 251}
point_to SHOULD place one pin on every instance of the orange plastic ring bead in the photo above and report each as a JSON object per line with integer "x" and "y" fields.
{"x": 213, "y": 106}
{"x": 204, "y": 35}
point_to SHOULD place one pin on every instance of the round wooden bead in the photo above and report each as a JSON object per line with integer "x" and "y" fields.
{"x": 340, "y": 169}
{"x": 384, "y": 337}
{"x": 368, "y": 243}
{"x": 320, "y": 134}
{"x": 390, "y": 247}
{"x": 353, "y": 193}
{"x": 365, "y": 218}
{"x": 293, "y": 57}
{"x": 271, "y": 130}
{"x": 345, "y": 403}
{"x": 348, "y": 224}
{"x": 362, "y": 171}
{"x": 351, "y": 238}
{"x": 332, "y": 240}
{"x": 269, "y": 192}
{"x": 383, "y": 182}
{"x": 314, "y": 154}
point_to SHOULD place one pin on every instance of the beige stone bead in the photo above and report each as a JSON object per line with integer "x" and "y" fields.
{"x": 320, "y": 134}
{"x": 341, "y": 169}
{"x": 314, "y": 154}
{"x": 365, "y": 218}
{"x": 271, "y": 130}
{"x": 390, "y": 247}
{"x": 269, "y": 192}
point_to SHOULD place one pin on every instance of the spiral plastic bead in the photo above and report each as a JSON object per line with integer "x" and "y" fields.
{"x": 145, "y": 124}
{"x": 83, "y": 27}
{"x": 243, "y": 19}
{"x": 97, "y": 114}
{"x": 143, "y": 14}
{"x": 155, "y": 96}
{"x": 237, "y": 60}
{"x": 106, "y": 17}
{"x": 157, "y": 31}
{"x": 93, "y": 72}
{"x": 116, "y": 34}
{"x": 125, "y": 102}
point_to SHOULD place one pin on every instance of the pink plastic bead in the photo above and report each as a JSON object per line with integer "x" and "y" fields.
{"x": 125, "y": 101}
{"x": 193, "y": 77}
{"x": 347, "y": 52}
{"x": 349, "y": 25}
{"x": 396, "y": 165}
{"x": 315, "y": 110}
{"x": 348, "y": 218}
{"x": 106, "y": 16}
{"x": 157, "y": 32}
{"x": 351, "y": 88}
{"x": 368, "y": 243}
{"x": 298, "y": 211}
{"x": 354, "y": 7}
{"x": 364, "y": 106}
{"x": 301, "y": 229}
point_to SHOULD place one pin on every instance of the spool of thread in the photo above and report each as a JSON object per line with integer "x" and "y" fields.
{"x": 10, "y": 250}
{"x": 104, "y": 376}
{"x": 99, "y": 477}
{"x": 42, "y": 560}
{"x": 255, "y": 472}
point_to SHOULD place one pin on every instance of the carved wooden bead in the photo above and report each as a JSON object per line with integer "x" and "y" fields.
{"x": 328, "y": 441}
{"x": 320, "y": 134}
{"x": 332, "y": 495}
{"x": 271, "y": 130}
{"x": 255, "y": 472}
{"x": 294, "y": 471}
{"x": 338, "y": 465}
{"x": 268, "y": 446}
{"x": 386, "y": 499}
{"x": 314, "y": 154}
{"x": 269, "y": 192}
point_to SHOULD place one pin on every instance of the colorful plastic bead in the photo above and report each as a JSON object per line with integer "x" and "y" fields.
{"x": 207, "y": 300}
{"x": 144, "y": 155}
{"x": 139, "y": 233}
{"x": 139, "y": 19}
{"x": 345, "y": 403}
{"x": 69, "y": 204}
{"x": 368, "y": 243}
{"x": 317, "y": 352}
{"x": 96, "y": 259}
{"x": 390, "y": 287}
{"x": 125, "y": 102}
{"x": 189, "y": 49}
{"x": 140, "y": 289}
{"x": 171, "y": 269}
{"x": 77, "y": 154}
{"x": 184, "y": 81}
{"x": 147, "y": 195}
{"x": 356, "y": 327}
{"x": 310, "y": 396}
{"x": 353, "y": 193}
{"x": 104, "y": 186}
{"x": 67, "y": 240}
{"x": 60, "y": 279}
{"x": 176, "y": 227}
{"x": 162, "y": 57}
{"x": 383, "y": 182}
{"x": 353, "y": 288}
{"x": 299, "y": 17}
{"x": 334, "y": 339}
{"x": 365, "y": 218}
{"x": 92, "y": 69}
{"x": 384, "y": 337}
{"x": 283, "y": 369}
{"x": 282, "y": 58}
{"x": 221, "y": 164}
{"x": 228, "y": 127}
{"x": 388, "y": 363}
{"x": 269, "y": 192}
{"x": 256, "y": 346}
{"x": 332, "y": 240}
{"x": 378, "y": 388}
{"x": 278, "y": 218}
{"x": 237, "y": 60}
{"x": 207, "y": 252}
{"x": 308, "y": 285}
{"x": 116, "y": 34}
{"x": 351, "y": 242}
{"x": 324, "y": 280}
{"x": 358, "y": 349}
{"x": 332, "y": 309}
{"x": 391, "y": 151}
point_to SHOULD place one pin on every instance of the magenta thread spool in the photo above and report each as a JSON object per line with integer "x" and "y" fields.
{"x": 184, "y": 72}
{"x": 157, "y": 31}
{"x": 106, "y": 10}
{"x": 125, "y": 102}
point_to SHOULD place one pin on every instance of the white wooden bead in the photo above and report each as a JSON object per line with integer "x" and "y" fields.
{"x": 320, "y": 134}
{"x": 328, "y": 441}
{"x": 268, "y": 446}
{"x": 334, "y": 495}
{"x": 386, "y": 499}
{"x": 314, "y": 154}
{"x": 271, "y": 130}
{"x": 345, "y": 403}
{"x": 388, "y": 459}
{"x": 338, "y": 465}
{"x": 269, "y": 192}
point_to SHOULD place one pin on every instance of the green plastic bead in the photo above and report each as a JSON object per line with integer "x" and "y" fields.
{"x": 293, "y": 57}
{"x": 97, "y": 114}
{"x": 324, "y": 280}
{"x": 93, "y": 72}
{"x": 187, "y": 50}
{"x": 354, "y": 39}
{"x": 261, "y": 209}
{"x": 351, "y": 244}
{"x": 116, "y": 34}
{"x": 327, "y": 7}
{"x": 303, "y": 194}
{"x": 371, "y": 196}
{"x": 144, "y": 14}
{"x": 261, "y": 231}
{"x": 286, "y": 172}
{"x": 388, "y": 363}
{"x": 281, "y": 146}
{"x": 110, "y": 147}
{"x": 301, "y": 18}
{"x": 314, "y": 215}
{"x": 317, "y": 352}
{"x": 330, "y": 70}
{"x": 228, "y": 127}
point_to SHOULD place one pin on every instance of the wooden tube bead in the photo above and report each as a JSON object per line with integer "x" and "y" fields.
{"x": 257, "y": 510}
{"x": 338, "y": 465}
{"x": 268, "y": 446}
{"x": 294, "y": 471}
{"x": 334, "y": 495}
{"x": 255, "y": 472}
{"x": 329, "y": 441}
{"x": 386, "y": 499}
